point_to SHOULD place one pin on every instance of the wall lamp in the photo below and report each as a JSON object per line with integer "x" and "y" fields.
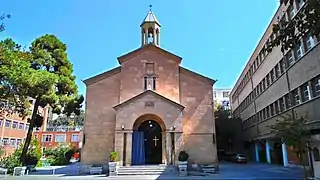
{"x": 122, "y": 126}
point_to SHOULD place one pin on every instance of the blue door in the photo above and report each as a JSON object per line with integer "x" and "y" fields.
{"x": 138, "y": 154}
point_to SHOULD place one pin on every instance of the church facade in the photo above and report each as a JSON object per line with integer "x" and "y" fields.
{"x": 149, "y": 108}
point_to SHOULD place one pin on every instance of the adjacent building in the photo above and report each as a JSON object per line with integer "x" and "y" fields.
{"x": 221, "y": 97}
{"x": 13, "y": 128}
{"x": 276, "y": 83}
{"x": 53, "y": 136}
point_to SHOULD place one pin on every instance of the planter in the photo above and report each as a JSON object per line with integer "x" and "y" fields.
{"x": 182, "y": 166}
{"x": 95, "y": 170}
{"x": 113, "y": 168}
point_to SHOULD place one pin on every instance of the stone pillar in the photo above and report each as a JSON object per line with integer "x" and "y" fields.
{"x": 168, "y": 148}
{"x": 256, "y": 149}
{"x": 119, "y": 146}
{"x": 142, "y": 38}
{"x": 268, "y": 151}
{"x": 146, "y": 37}
{"x": 129, "y": 148}
{"x": 164, "y": 148}
{"x": 284, "y": 154}
{"x": 158, "y": 38}
{"x": 154, "y": 37}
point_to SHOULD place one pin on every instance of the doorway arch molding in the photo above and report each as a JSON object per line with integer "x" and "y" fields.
{"x": 146, "y": 117}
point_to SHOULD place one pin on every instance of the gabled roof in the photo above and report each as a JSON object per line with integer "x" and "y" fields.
{"x": 150, "y": 18}
{"x": 138, "y": 51}
{"x": 101, "y": 76}
{"x": 198, "y": 76}
{"x": 144, "y": 94}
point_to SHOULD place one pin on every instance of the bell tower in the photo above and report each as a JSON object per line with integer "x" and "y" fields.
{"x": 150, "y": 29}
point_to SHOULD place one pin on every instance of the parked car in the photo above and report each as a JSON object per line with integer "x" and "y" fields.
{"x": 235, "y": 157}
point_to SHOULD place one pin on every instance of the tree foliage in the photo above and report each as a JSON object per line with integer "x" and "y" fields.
{"x": 43, "y": 73}
{"x": 289, "y": 32}
{"x": 2, "y": 18}
{"x": 293, "y": 131}
{"x": 64, "y": 120}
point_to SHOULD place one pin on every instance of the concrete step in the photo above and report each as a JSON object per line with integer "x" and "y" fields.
{"x": 145, "y": 170}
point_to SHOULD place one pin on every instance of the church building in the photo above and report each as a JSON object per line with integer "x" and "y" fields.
{"x": 149, "y": 108}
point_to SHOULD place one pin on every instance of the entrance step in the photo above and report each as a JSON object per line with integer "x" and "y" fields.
{"x": 146, "y": 170}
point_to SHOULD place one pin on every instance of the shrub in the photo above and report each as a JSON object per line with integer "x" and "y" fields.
{"x": 183, "y": 156}
{"x": 13, "y": 160}
{"x": 113, "y": 156}
{"x": 60, "y": 155}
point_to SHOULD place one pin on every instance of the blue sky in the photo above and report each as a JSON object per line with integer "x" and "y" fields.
{"x": 215, "y": 38}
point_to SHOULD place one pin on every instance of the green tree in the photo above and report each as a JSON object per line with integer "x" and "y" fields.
{"x": 306, "y": 22}
{"x": 2, "y": 17}
{"x": 294, "y": 132}
{"x": 43, "y": 73}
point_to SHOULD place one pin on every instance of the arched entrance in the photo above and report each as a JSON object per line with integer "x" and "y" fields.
{"x": 147, "y": 145}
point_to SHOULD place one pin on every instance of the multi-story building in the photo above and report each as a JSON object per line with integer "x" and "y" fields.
{"x": 221, "y": 97}
{"x": 52, "y": 136}
{"x": 13, "y": 128}
{"x": 276, "y": 83}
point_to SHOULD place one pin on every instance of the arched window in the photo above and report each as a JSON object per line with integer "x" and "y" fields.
{"x": 145, "y": 83}
{"x": 316, "y": 154}
{"x": 154, "y": 80}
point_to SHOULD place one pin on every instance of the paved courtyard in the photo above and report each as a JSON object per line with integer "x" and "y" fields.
{"x": 227, "y": 171}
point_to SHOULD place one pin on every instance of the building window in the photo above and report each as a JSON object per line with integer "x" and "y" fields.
{"x": 282, "y": 66}
{"x": 264, "y": 113}
{"x": 5, "y": 141}
{"x": 291, "y": 11}
{"x": 277, "y": 71}
{"x": 288, "y": 101}
{"x": 305, "y": 92}
{"x": 60, "y": 138}
{"x": 268, "y": 80}
{"x": 21, "y": 125}
{"x": 264, "y": 84}
{"x": 282, "y": 104}
{"x": 27, "y": 127}
{"x": 154, "y": 80}
{"x": 309, "y": 42}
{"x": 267, "y": 111}
{"x": 8, "y": 124}
{"x": 19, "y": 142}
{"x": 15, "y": 125}
{"x": 75, "y": 138}
{"x": 299, "y": 50}
{"x": 225, "y": 94}
{"x": 300, "y": 3}
{"x": 272, "y": 76}
{"x": 145, "y": 83}
{"x": 272, "y": 110}
{"x": 296, "y": 98}
{"x": 276, "y": 107}
{"x": 46, "y": 138}
{"x": 290, "y": 58}
{"x": 316, "y": 86}
{"x": 12, "y": 142}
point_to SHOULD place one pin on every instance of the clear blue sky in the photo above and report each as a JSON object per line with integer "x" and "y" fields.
{"x": 214, "y": 37}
